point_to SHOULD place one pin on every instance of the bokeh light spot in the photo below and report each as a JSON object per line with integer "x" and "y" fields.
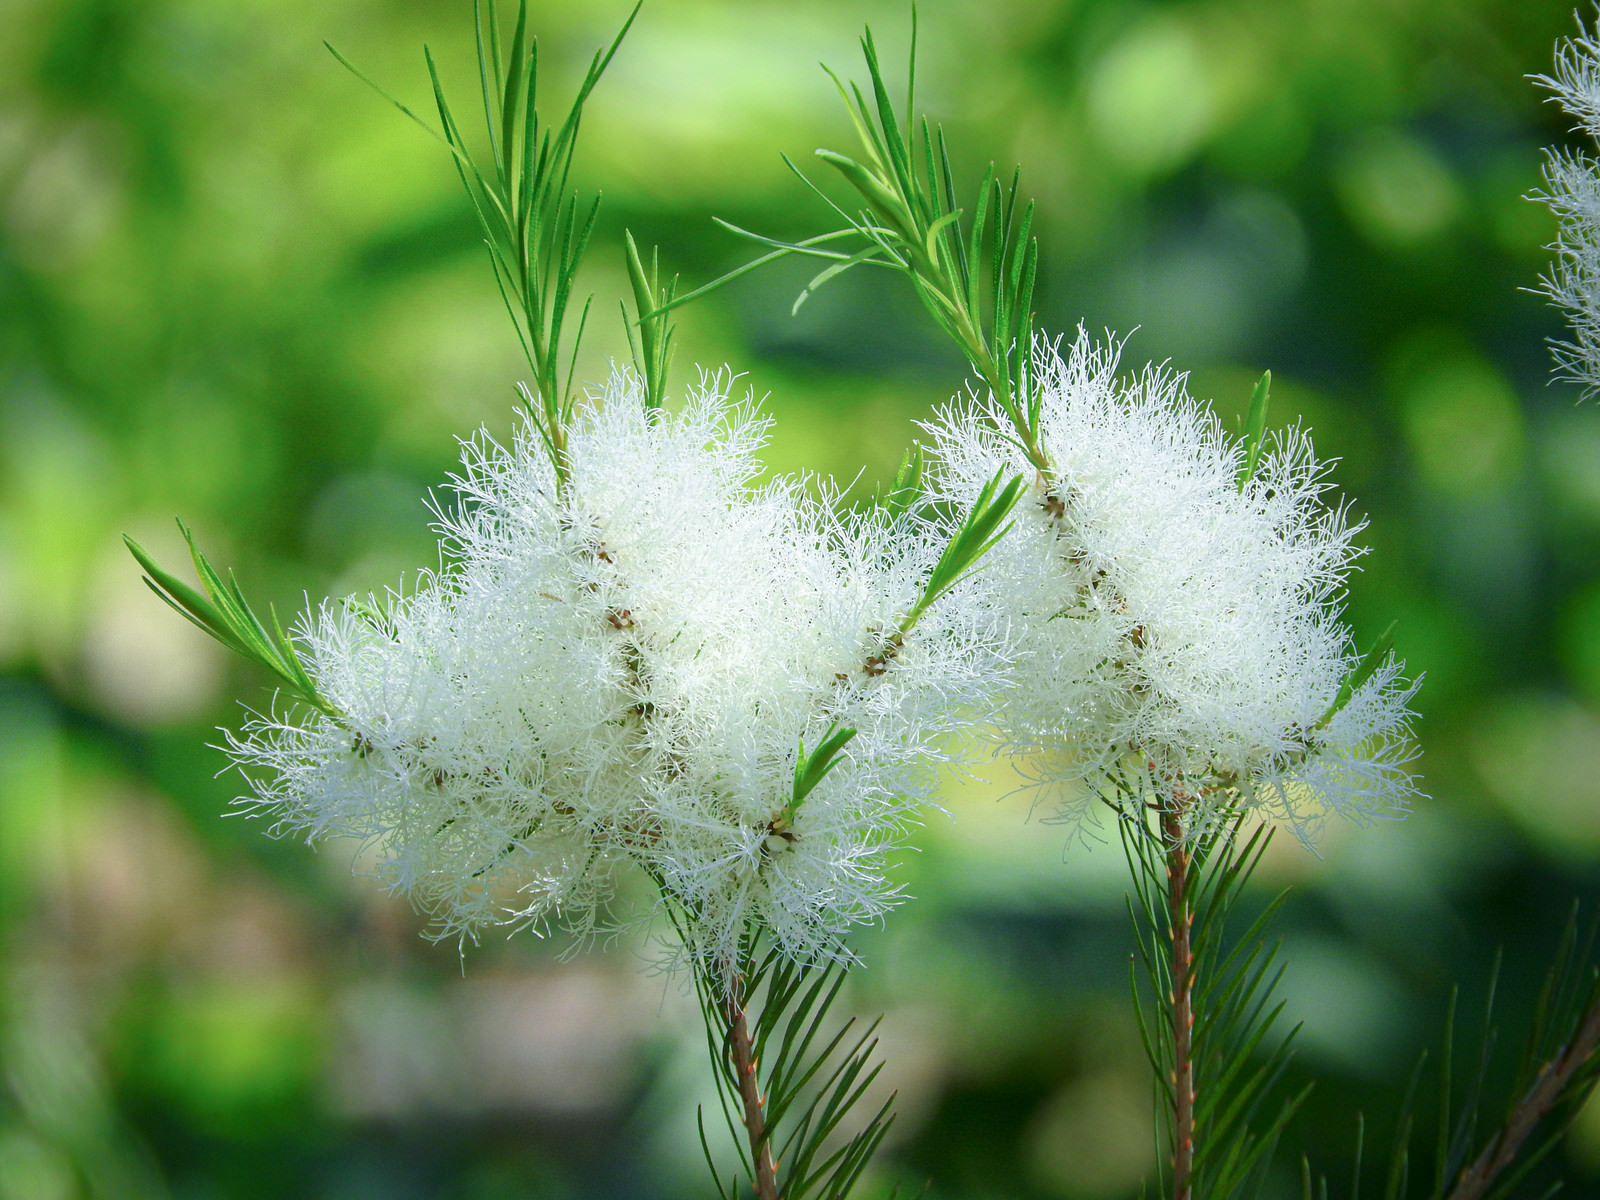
{"x": 1539, "y": 756}
{"x": 1396, "y": 190}
{"x": 1463, "y": 423}
{"x": 1150, "y": 97}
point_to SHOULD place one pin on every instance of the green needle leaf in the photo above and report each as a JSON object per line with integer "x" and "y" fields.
{"x": 651, "y": 298}
{"x": 875, "y": 192}
{"x": 981, "y": 529}
{"x": 907, "y": 488}
{"x": 811, "y": 769}
{"x": 226, "y": 615}
{"x": 1370, "y": 662}
{"x": 1255, "y": 429}
{"x": 535, "y": 231}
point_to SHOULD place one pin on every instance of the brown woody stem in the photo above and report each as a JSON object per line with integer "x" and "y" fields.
{"x": 1180, "y": 920}
{"x": 1534, "y": 1106}
{"x": 755, "y": 1120}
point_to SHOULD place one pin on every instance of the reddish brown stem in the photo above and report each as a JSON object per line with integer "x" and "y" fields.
{"x": 755, "y": 1119}
{"x": 1534, "y": 1106}
{"x": 1180, "y": 921}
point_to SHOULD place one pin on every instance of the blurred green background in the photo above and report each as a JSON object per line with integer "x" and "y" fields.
{"x": 236, "y": 286}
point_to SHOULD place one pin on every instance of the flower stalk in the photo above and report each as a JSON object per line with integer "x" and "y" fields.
{"x": 1209, "y": 1034}
{"x": 1180, "y": 926}
{"x": 741, "y": 1051}
{"x": 787, "y": 1084}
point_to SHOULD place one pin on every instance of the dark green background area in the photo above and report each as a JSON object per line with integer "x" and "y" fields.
{"x": 236, "y": 286}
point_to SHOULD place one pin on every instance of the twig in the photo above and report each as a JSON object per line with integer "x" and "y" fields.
{"x": 755, "y": 1123}
{"x": 1534, "y": 1106}
{"x": 1180, "y": 921}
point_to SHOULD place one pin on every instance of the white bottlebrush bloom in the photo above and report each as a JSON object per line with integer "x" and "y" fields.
{"x": 1572, "y": 190}
{"x": 622, "y": 669}
{"x": 1178, "y": 637}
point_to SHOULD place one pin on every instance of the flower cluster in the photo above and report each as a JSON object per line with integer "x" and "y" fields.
{"x": 1572, "y": 182}
{"x": 1177, "y": 624}
{"x": 622, "y": 667}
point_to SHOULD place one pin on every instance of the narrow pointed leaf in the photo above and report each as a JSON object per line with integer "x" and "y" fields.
{"x": 1255, "y": 429}
{"x": 1363, "y": 671}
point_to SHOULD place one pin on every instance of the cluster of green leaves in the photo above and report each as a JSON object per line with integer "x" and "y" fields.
{"x": 535, "y": 230}
{"x": 811, "y": 1079}
{"x": 983, "y": 525}
{"x": 1237, "y": 1057}
{"x": 912, "y": 222}
{"x": 226, "y": 615}
{"x": 652, "y": 297}
{"x": 813, "y": 766}
{"x": 974, "y": 271}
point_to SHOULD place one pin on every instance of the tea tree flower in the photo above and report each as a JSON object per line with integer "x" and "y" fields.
{"x": 1177, "y": 618}
{"x": 1572, "y": 182}
{"x": 1174, "y": 595}
{"x": 625, "y": 667}
{"x": 633, "y": 656}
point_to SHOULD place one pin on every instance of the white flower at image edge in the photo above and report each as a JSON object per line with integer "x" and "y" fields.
{"x": 1177, "y": 635}
{"x": 1572, "y": 182}
{"x": 622, "y": 670}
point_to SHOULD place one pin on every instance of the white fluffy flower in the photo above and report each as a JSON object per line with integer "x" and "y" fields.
{"x": 1177, "y": 635}
{"x": 622, "y": 669}
{"x": 1573, "y": 191}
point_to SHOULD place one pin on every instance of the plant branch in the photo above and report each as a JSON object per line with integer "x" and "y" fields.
{"x": 1537, "y": 1102}
{"x": 1180, "y": 919}
{"x": 741, "y": 1050}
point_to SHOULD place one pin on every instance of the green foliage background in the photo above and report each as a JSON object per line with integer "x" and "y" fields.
{"x": 236, "y": 286}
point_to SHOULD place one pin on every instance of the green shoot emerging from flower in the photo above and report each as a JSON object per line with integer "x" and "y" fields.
{"x": 226, "y": 615}
{"x": 976, "y": 282}
{"x": 652, "y": 347}
{"x": 535, "y": 231}
{"x": 1173, "y": 596}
